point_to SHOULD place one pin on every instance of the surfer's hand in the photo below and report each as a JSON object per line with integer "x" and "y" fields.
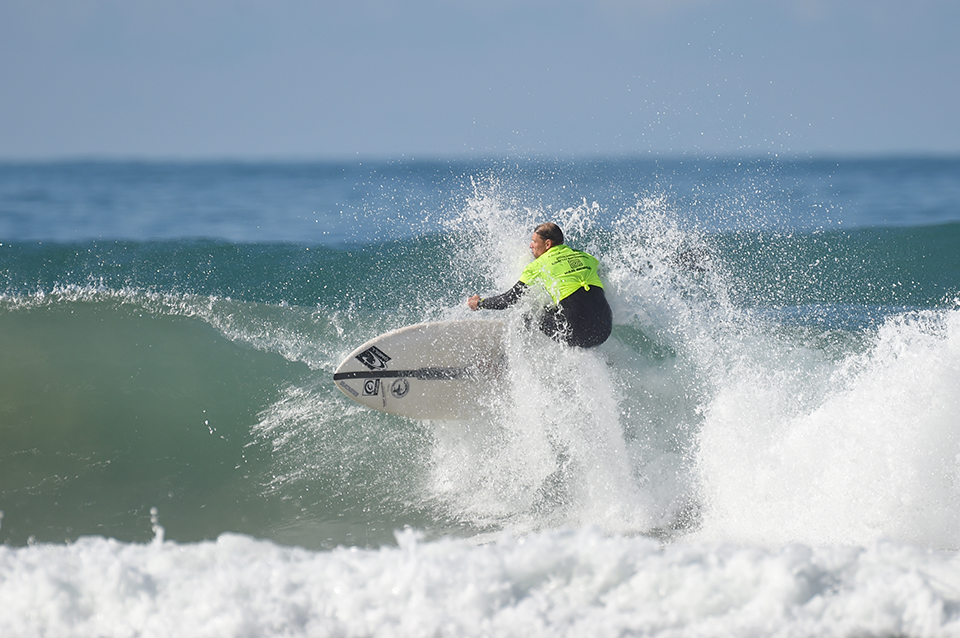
{"x": 474, "y": 302}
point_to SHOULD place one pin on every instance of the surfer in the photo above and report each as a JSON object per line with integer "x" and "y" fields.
{"x": 580, "y": 315}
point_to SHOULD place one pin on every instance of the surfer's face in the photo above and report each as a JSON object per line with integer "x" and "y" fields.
{"x": 539, "y": 245}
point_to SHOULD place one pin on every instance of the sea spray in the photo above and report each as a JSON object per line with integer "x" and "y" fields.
{"x": 551, "y": 450}
{"x": 874, "y": 454}
{"x": 600, "y": 437}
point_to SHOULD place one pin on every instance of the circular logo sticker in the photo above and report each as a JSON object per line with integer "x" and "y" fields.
{"x": 399, "y": 388}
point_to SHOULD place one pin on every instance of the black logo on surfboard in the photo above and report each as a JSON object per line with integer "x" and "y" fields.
{"x": 399, "y": 388}
{"x": 371, "y": 387}
{"x": 374, "y": 358}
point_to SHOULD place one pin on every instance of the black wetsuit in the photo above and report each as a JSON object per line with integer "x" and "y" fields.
{"x": 582, "y": 319}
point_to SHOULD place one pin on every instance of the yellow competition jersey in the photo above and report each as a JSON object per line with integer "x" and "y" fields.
{"x": 562, "y": 271}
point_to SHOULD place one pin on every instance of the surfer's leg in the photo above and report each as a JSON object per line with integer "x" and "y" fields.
{"x": 589, "y": 318}
{"x": 554, "y": 324}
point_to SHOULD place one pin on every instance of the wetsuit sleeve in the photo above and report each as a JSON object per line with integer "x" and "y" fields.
{"x": 504, "y": 300}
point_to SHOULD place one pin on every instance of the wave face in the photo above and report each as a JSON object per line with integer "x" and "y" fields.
{"x": 784, "y": 385}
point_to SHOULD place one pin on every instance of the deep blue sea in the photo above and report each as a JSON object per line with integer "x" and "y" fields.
{"x": 768, "y": 445}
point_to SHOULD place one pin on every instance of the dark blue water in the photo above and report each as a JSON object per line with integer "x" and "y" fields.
{"x": 329, "y": 203}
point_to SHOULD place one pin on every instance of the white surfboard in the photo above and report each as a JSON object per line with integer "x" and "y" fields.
{"x": 440, "y": 370}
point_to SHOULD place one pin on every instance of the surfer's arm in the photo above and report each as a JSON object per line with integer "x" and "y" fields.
{"x": 505, "y": 300}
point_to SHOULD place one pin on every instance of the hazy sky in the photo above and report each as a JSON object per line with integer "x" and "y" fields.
{"x": 344, "y": 79}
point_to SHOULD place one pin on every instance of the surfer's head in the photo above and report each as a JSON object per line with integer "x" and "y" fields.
{"x": 545, "y": 237}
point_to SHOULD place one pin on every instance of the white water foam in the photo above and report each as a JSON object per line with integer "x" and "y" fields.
{"x": 550, "y": 452}
{"x": 877, "y": 457}
{"x": 543, "y": 584}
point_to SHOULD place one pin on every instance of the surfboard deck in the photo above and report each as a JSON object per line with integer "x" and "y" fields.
{"x": 440, "y": 370}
